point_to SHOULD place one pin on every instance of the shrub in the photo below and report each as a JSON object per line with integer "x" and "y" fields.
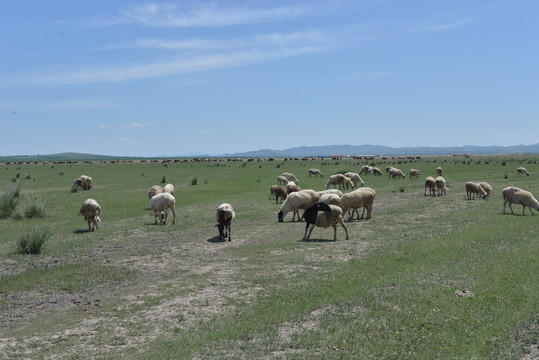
{"x": 8, "y": 202}
{"x": 164, "y": 179}
{"x": 401, "y": 189}
{"x": 31, "y": 240}
{"x": 28, "y": 177}
{"x": 278, "y": 166}
{"x": 194, "y": 181}
{"x": 35, "y": 210}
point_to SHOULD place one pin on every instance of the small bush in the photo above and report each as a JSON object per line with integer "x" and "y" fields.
{"x": 194, "y": 181}
{"x": 278, "y": 166}
{"x": 401, "y": 189}
{"x": 164, "y": 179}
{"x": 8, "y": 202}
{"x": 28, "y": 177}
{"x": 35, "y": 210}
{"x": 505, "y": 176}
{"x": 31, "y": 240}
{"x": 61, "y": 173}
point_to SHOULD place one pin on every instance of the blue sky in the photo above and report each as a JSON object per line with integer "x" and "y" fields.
{"x": 186, "y": 77}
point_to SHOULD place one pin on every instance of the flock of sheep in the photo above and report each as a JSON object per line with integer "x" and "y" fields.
{"x": 320, "y": 208}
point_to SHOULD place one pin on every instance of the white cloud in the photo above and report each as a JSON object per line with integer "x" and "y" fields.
{"x": 136, "y": 125}
{"x": 207, "y": 132}
{"x": 452, "y": 25}
{"x": 102, "y": 126}
{"x": 129, "y": 140}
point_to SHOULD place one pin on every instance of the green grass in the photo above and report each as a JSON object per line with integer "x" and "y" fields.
{"x": 175, "y": 292}
{"x": 31, "y": 240}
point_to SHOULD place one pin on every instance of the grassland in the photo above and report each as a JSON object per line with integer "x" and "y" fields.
{"x": 139, "y": 291}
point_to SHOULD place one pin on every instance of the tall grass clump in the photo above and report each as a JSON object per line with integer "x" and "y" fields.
{"x": 31, "y": 240}
{"x": 9, "y": 201}
{"x": 164, "y": 179}
{"x": 194, "y": 181}
{"x": 35, "y": 210}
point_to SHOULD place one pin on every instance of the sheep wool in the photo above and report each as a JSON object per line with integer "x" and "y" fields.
{"x": 440, "y": 186}
{"x": 325, "y": 219}
{"x": 154, "y": 190}
{"x": 360, "y": 198}
{"x": 90, "y": 209}
{"x": 224, "y": 214}
{"x": 430, "y": 183}
{"x": 295, "y": 201}
{"x": 160, "y": 204}
{"x": 514, "y": 195}
{"x": 473, "y": 189}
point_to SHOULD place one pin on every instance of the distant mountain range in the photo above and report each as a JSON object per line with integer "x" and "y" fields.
{"x": 307, "y": 151}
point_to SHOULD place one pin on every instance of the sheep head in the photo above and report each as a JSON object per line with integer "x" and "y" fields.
{"x": 163, "y": 217}
{"x": 280, "y": 216}
{"x": 97, "y": 222}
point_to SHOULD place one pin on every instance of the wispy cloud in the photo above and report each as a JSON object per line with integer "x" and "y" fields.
{"x": 102, "y": 126}
{"x": 77, "y": 104}
{"x": 136, "y": 125}
{"x": 365, "y": 75}
{"x": 440, "y": 27}
{"x": 129, "y": 140}
{"x": 199, "y": 15}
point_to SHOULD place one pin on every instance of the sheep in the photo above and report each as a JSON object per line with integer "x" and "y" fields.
{"x": 439, "y": 171}
{"x": 362, "y": 197}
{"x": 486, "y": 187}
{"x": 290, "y": 177}
{"x": 292, "y": 187}
{"x": 514, "y": 195}
{"x": 473, "y": 188}
{"x": 330, "y": 191}
{"x": 388, "y": 168}
{"x": 355, "y": 178}
{"x": 83, "y": 182}
{"x": 414, "y": 174}
{"x": 169, "y": 188}
{"x": 330, "y": 216}
{"x": 396, "y": 173}
{"x": 331, "y": 199}
{"x": 522, "y": 171}
{"x": 376, "y": 171}
{"x": 278, "y": 191}
{"x": 295, "y": 201}
{"x": 160, "y": 204}
{"x": 315, "y": 172}
{"x": 341, "y": 180}
{"x": 430, "y": 183}
{"x": 154, "y": 190}
{"x": 281, "y": 180}
{"x": 90, "y": 209}
{"x": 224, "y": 216}
{"x": 440, "y": 186}
{"x": 366, "y": 169}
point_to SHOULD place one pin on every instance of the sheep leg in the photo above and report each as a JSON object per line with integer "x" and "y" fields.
{"x": 228, "y": 231}
{"x": 310, "y": 232}
{"x": 511, "y": 207}
{"x": 334, "y": 231}
{"x": 340, "y": 221}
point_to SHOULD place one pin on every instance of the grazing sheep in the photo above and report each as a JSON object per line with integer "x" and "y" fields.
{"x": 330, "y": 191}
{"x": 292, "y": 187}
{"x": 362, "y": 197}
{"x": 486, "y": 187}
{"x": 169, "y": 188}
{"x": 396, "y": 173}
{"x": 355, "y": 178}
{"x": 290, "y": 177}
{"x": 473, "y": 188}
{"x": 281, "y": 180}
{"x": 160, "y": 204}
{"x": 414, "y": 174}
{"x": 331, "y": 199}
{"x": 366, "y": 169}
{"x": 430, "y": 183}
{"x": 90, "y": 209}
{"x": 341, "y": 180}
{"x": 440, "y": 186}
{"x": 295, "y": 201}
{"x": 277, "y": 191}
{"x": 154, "y": 190}
{"x": 388, "y": 168}
{"x": 522, "y": 171}
{"x": 376, "y": 171}
{"x": 330, "y": 216}
{"x": 83, "y": 182}
{"x": 514, "y": 195}
{"x": 224, "y": 216}
{"x": 439, "y": 171}
{"x": 315, "y": 172}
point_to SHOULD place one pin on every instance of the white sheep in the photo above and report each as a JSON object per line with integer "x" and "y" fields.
{"x": 341, "y": 180}
{"x": 522, "y": 171}
{"x": 414, "y": 174}
{"x": 439, "y": 171}
{"x": 376, "y": 171}
{"x": 396, "y": 173}
{"x": 324, "y": 219}
{"x": 388, "y": 168}
{"x": 154, "y": 190}
{"x": 290, "y": 177}
{"x": 160, "y": 204}
{"x": 90, "y": 209}
{"x": 295, "y": 201}
{"x": 486, "y": 187}
{"x": 281, "y": 180}
{"x": 355, "y": 178}
{"x": 360, "y": 198}
{"x": 430, "y": 183}
{"x": 315, "y": 172}
{"x": 440, "y": 186}
{"x": 331, "y": 199}
{"x": 169, "y": 188}
{"x": 472, "y": 189}
{"x": 366, "y": 169}
{"x": 330, "y": 191}
{"x": 224, "y": 216}
{"x": 83, "y": 182}
{"x": 514, "y": 195}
